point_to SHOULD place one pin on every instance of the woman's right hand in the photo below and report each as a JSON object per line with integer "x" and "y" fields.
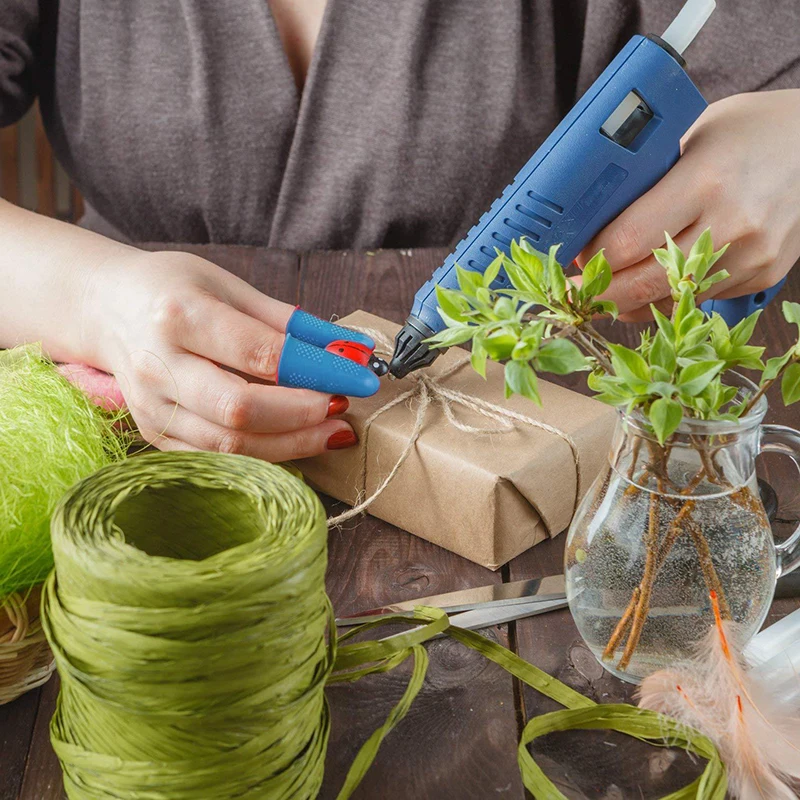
{"x": 170, "y": 326}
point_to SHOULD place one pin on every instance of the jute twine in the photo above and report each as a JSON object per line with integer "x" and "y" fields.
{"x": 25, "y": 657}
{"x": 426, "y": 389}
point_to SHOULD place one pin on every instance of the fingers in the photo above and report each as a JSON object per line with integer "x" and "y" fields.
{"x": 669, "y": 206}
{"x": 221, "y": 333}
{"x": 233, "y": 403}
{"x": 634, "y": 288}
{"x": 187, "y": 431}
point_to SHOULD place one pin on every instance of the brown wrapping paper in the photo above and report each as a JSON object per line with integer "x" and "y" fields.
{"x": 487, "y": 497}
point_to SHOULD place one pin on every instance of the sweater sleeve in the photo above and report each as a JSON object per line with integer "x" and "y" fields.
{"x": 19, "y": 28}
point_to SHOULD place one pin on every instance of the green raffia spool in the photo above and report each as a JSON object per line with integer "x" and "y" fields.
{"x": 194, "y": 639}
{"x": 188, "y": 617}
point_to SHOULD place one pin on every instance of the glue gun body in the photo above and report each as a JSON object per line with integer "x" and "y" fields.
{"x": 619, "y": 140}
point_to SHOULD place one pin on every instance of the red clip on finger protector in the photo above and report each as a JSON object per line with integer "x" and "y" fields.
{"x": 325, "y": 357}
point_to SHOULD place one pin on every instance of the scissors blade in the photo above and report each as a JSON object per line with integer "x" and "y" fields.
{"x": 495, "y": 595}
{"x": 486, "y": 617}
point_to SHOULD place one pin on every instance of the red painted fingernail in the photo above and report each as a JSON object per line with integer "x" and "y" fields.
{"x": 342, "y": 439}
{"x": 338, "y": 405}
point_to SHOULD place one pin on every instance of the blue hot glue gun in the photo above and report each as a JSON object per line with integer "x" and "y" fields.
{"x": 616, "y": 143}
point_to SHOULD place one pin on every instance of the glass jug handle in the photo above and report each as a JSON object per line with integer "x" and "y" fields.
{"x": 786, "y": 441}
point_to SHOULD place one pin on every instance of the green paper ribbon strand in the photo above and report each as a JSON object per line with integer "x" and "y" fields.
{"x": 194, "y": 639}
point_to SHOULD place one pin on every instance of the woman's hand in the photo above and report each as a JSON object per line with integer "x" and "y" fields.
{"x": 739, "y": 175}
{"x": 163, "y": 323}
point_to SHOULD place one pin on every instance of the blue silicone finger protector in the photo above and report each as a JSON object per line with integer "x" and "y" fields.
{"x": 305, "y": 364}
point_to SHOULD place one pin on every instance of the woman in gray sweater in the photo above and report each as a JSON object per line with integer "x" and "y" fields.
{"x": 342, "y": 124}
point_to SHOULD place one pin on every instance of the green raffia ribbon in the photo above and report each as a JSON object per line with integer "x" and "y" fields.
{"x": 194, "y": 639}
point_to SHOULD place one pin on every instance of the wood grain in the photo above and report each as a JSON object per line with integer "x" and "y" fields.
{"x": 9, "y": 164}
{"x": 42, "y": 777}
{"x": 45, "y": 171}
{"x": 16, "y": 731}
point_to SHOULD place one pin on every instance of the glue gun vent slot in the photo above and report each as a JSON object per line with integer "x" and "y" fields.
{"x": 543, "y": 201}
{"x": 515, "y": 226}
{"x": 540, "y": 220}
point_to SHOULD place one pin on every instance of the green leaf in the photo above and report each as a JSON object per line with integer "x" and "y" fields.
{"x": 743, "y": 330}
{"x": 791, "y": 312}
{"x": 695, "y": 267}
{"x": 555, "y": 276}
{"x": 479, "y": 355}
{"x": 775, "y": 365}
{"x": 605, "y": 307}
{"x": 675, "y": 253}
{"x": 452, "y": 303}
{"x": 790, "y": 384}
{"x": 505, "y": 309}
{"x": 703, "y": 246}
{"x": 684, "y": 307}
{"x": 524, "y": 350}
{"x": 717, "y": 277}
{"x": 630, "y": 366}
{"x": 746, "y": 355}
{"x": 500, "y": 344}
{"x": 492, "y": 271}
{"x": 694, "y": 378}
{"x": 596, "y": 276}
{"x": 529, "y": 263}
{"x": 521, "y": 379}
{"x": 450, "y": 337}
{"x": 662, "y": 353}
{"x": 469, "y": 281}
{"x": 665, "y": 416}
{"x": 664, "y": 325}
{"x": 700, "y": 352}
{"x": 561, "y": 357}
{"x": 529, "y": 289}
{"x": 695, "y": 334}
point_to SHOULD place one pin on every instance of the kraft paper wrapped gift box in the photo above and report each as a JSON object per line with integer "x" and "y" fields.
{"x": 486, "y": 496}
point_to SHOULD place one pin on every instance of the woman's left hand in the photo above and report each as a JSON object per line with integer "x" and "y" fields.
{"x": 740, "y": 176}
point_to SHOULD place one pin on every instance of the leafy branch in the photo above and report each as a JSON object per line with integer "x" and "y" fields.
{"x": 544, "y": 323}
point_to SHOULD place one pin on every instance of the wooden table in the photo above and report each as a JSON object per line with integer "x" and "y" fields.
{"x": 459, "y": 740}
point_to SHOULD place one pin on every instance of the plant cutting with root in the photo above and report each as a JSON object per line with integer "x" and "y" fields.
{"x": 681, "y": 371}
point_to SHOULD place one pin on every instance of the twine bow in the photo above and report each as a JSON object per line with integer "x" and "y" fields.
{"x": 426, "y": 389}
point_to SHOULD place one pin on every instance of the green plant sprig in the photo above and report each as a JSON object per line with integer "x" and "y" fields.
{"x": 544, "y": 323}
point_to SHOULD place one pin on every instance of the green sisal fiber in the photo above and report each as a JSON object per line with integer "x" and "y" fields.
{"x": 194, "y": 639}
{"x": 51, "y": 436}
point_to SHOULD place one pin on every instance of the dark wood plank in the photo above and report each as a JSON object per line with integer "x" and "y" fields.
{"x": 17, "y": 720}
{"x": 42, "y": 778}
{"x": 77, "y": 205}
{"x": 382, "y": 283}
{"x": 274, "y": 272}
{"x": 45, "y": 171}
{"x": 9, "y": 164}
{"x": 459, "y": 739}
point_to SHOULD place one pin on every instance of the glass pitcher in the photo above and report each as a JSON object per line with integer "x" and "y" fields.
{"x": 662, "y": 527}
